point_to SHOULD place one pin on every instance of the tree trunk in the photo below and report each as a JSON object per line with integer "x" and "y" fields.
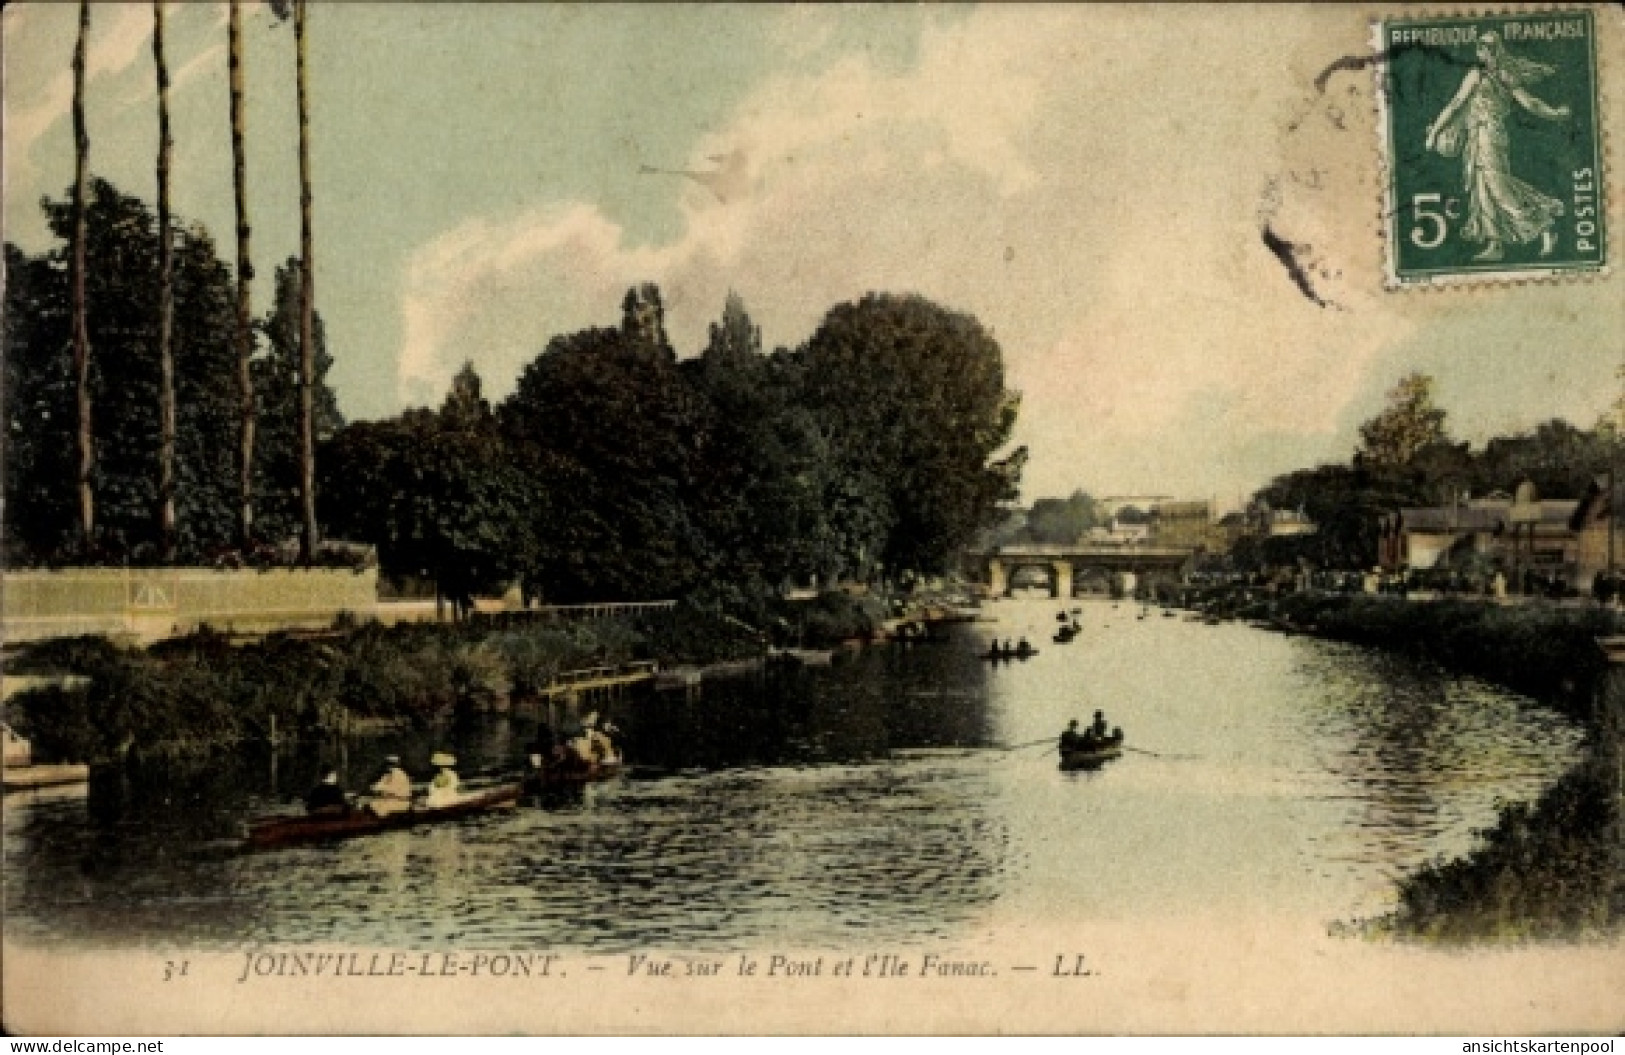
{"x": 307, "y": 306}
{"x": 245, "y": 276}
{"x": 81, "y": 327}
{"x": 166, "y": 301}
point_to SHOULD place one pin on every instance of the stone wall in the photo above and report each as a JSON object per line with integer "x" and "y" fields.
{"x": 147, "y": 604}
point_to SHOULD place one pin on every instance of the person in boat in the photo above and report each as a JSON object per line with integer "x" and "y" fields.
{"x": 537, "y": 754}
{"x": 327, "y": 798}
{"x": 594, "y": 745}
{"x": 443, "y": 788}
{"x": 1023, "y": 647}
{"x": 392, "y": 791}
{"x": 610, "y": 753}
{"x": 1071, "y": 739}
{"x": 1099, "y": 732}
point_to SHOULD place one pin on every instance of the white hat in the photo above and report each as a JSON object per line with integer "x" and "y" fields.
{"x": 442, "y": 759}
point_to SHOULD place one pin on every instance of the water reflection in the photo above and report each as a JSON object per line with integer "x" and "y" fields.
{"x": 875, "y": 799}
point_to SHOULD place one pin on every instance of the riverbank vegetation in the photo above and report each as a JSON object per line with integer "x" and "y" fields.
{"x": 201, "y": 693}
{"x": 1548, "y": 869}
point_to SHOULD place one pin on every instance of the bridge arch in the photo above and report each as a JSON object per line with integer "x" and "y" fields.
{"x": 1093, "y": 568}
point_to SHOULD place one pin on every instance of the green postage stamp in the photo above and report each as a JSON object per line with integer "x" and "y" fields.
{"x": 1490, "y": 134}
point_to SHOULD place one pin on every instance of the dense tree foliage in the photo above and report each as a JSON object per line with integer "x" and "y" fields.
{"x": 616, "y": 471}
{"x": 121, "y": 288}
{"x": 277, "y": 513}
{"x": 913, "y": 396}
{"x": 435, "y": 492}
{"x": 1410, "y": 423}
{"x": 1062, "y": 521}
{"x": 604, "y": 425}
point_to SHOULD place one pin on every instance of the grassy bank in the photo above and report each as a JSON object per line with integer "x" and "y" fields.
{"x": 196, "y": 694}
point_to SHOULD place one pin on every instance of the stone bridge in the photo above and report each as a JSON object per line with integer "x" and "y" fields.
{"x": 1083, "y": 568}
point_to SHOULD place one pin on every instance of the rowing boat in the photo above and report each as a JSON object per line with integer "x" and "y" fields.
{"x": 1003, "y": 654}
{"x": 1093, "y": 754}
{"x": 271, "y": 833}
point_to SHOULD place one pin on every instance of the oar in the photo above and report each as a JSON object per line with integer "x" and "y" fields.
{"x": 1155, "y": 754}
{"x": 1031, "y": 743}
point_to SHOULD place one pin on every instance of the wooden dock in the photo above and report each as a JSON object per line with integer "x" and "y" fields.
{"x": 599, "y": 679}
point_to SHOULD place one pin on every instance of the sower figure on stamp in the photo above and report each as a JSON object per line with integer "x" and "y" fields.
{"x": 1500, "y": 207}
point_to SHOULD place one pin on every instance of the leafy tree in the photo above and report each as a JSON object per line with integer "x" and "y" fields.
{"x": 436, "y": 493}
{"x": 276, "y": 384}
{"x": 604, "y": 424}
{"x": 121, "y": 286}
{"x": 1062, "y": 521}
{"x": 1560, "y": 459}
{"x": 121, "y": 289}
{"x": 913, "y": 398}
{"x": 1346, "y": 504}
{"x": 1408, "y": 424}
{"x": 760, "y": 496}
{"x": 40, "y": 390}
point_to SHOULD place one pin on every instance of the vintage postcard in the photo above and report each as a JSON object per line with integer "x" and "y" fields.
{"x": 716, "y": 519}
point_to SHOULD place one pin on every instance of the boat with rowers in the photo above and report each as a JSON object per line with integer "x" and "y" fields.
{"x": 1093, "y": 747}
{"x": 1092, "y": 754}
{"x": 271, "y": 833}
{"x": 998, "y": 652}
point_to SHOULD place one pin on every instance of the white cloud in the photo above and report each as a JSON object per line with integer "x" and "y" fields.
{"x": 117, "y": 35}
{"x": 1098, "y": 205}
{"x": 120, "y": 35}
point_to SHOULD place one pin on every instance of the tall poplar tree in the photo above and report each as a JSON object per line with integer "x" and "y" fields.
{"x": 166, "y": 300}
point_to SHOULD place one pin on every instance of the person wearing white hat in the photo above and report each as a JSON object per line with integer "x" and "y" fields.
{"x": 443, "y": 788}
{"x": 328, "y": 797}
{"x": 392, "y": 791}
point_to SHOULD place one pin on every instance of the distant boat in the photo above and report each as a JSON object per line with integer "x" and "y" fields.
{"x": 807, "y": 657}
{"x": 994, "y": 655}
{"x": 20, "y": 772}
{"x": 23, "y": 778}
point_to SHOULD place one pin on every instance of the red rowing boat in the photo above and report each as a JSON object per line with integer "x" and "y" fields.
{"x": 271, "y": 833}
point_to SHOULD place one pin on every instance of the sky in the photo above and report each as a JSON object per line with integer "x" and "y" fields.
{"x": 1093, "y": 184}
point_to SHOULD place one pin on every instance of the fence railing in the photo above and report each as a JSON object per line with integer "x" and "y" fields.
{"x": 605, "y": 610}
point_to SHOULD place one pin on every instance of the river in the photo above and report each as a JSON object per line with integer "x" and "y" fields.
{"x": 878, "y": 799}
